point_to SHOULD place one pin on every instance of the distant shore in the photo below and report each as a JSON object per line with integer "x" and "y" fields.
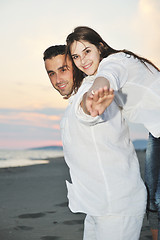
{"x": 34, "y": 203}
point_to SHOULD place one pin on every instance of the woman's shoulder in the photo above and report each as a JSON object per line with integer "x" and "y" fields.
{"x": 119, "y": 58}
{"x": 116, "y": 56}
{"x": 88, "y": 80}
{"x": 86, "y": 84}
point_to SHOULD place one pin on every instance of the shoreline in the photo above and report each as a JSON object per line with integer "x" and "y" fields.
{"x": 34, "y": 203}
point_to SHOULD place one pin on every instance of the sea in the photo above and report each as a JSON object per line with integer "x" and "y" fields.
{"x": 26, "y": 157}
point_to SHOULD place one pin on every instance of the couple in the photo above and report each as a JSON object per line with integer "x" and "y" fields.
{"x": 106, "y": 182}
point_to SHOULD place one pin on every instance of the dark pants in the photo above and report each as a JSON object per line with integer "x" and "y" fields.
{"x": 152, "y": 179}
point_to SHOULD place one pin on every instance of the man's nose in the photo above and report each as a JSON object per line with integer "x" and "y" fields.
{"x": 58, "y": 80}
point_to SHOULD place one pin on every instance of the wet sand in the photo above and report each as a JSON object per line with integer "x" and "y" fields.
{"x": 34, "y": 203}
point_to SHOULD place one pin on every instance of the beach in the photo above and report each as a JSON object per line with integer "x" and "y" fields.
{"x": 34, "y": 203}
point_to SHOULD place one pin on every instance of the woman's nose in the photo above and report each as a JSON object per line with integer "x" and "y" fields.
{"x": 83, "y": 60}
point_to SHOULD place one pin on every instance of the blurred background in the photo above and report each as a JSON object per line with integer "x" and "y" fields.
{"x": 30, "y": 109}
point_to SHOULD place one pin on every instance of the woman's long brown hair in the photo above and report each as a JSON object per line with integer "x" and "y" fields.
{"x": 88, "y": 34}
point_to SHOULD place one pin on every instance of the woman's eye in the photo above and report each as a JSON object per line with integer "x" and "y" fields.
{"x": 74, "y": 57}
{"x": 88, "y": 51}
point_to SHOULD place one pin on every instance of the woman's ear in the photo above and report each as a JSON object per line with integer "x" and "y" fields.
{"x": 101, "y": 47}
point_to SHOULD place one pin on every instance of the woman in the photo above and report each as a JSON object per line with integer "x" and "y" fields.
{"x": 105, "y": 178}
{"x": 136, "y": 83}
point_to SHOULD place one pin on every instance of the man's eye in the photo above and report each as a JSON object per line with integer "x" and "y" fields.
{"x": 63, "y": 69}
{"x": 51, "y": 74}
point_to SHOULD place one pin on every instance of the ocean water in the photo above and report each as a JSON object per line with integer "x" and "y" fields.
{"x": 17, "y": 158}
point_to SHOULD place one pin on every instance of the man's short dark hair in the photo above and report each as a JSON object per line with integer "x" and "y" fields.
{"x": 54, "y": 51}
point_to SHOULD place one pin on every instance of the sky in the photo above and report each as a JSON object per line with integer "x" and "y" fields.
{"x": 30, "y": 109}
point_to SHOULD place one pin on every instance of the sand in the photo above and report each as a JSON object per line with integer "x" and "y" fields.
{"x": 34, "y": 203}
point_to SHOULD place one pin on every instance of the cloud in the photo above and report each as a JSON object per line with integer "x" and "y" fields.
{"x": 56, "y": 126}
{"x": 22, "y": 129}
{"x": 30, "y": 119}
{"x": 23, "y": 143}
{"x": 147, "y": 25}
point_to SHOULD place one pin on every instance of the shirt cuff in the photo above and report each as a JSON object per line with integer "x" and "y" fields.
{"x": 85, "y": 118}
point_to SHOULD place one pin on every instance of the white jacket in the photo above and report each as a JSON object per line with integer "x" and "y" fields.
{"x": 137, "y": 89}
{"x": 103, "y": 164}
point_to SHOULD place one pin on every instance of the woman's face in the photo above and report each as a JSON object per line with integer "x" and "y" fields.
{"x": 86, "y": 56}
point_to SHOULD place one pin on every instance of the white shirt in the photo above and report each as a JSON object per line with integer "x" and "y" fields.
{"x": 137, "y": 89}
{"x": 103, "y": 165}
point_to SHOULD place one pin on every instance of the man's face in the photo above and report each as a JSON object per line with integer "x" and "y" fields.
{"x": 60, "y": 73}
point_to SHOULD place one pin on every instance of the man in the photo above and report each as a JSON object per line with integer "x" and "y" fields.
{"x": 59, "y": 69}
{"x": 98, "y": 160}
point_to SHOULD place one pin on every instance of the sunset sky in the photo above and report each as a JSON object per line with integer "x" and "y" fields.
{"x": 30, "y": 109}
